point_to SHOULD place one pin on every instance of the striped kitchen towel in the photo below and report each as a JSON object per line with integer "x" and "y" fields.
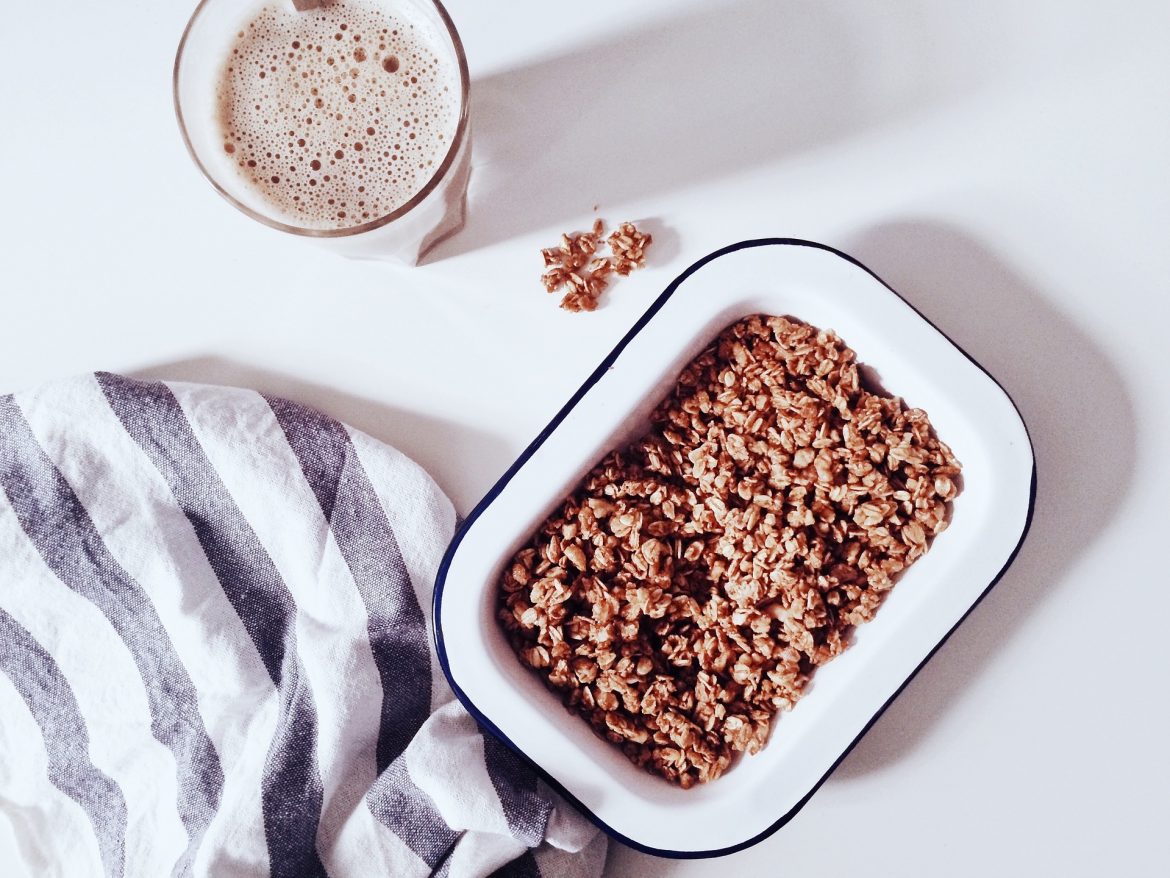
{"x": 215, "y": 654}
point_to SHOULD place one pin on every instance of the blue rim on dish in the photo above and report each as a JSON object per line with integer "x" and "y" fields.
{"x": 610, "y": 359}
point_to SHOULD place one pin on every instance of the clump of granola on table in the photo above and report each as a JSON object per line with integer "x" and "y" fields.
{"x": 580, "y": 266}
{"x": 686, "y": 590}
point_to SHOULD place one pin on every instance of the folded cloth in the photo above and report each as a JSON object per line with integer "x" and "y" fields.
{"x": 215, "y": 654}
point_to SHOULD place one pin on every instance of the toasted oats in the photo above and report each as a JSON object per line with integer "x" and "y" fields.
{"x": 691, "y": 584}
{"x": 574, "y": 263}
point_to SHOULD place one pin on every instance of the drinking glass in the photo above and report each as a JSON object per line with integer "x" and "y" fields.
{"x": 435, "y": 211}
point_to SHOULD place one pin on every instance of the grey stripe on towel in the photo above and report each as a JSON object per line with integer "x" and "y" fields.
{"x": 396, "y": 625}
{"x": 291, "y": 790}
{"x": 51, "y": 702}
{"x": 399, "y": 804}
{"x": 63, "y": 533}
{"x": 526, "y": 810}
{"x": 522, "y": 867}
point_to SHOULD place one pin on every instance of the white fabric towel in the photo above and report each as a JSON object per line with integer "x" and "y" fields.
{"x": 215, "y": 652}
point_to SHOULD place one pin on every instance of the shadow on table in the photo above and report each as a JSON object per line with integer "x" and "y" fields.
{"x": 1081, "y": 420}
{"x": 463, "y": 460}
{"x": 699, "y": 95}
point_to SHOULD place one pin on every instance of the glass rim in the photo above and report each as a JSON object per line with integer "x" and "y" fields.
{"x": 376, "y": 223}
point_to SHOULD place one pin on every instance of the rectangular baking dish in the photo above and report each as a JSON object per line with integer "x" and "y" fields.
{"x": 910, "y": 358}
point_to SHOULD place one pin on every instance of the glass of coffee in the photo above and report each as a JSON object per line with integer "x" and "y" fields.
{"x": 344, "y": 121}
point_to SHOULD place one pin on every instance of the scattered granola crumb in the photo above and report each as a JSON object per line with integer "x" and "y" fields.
{"x": 687, "y": 589}
{"x": 574, "y": 264}
{"x": 628, "y": 246}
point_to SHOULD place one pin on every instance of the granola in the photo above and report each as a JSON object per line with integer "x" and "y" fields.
{"x": 576, "y": 265}
{"x": 686, "y": 590}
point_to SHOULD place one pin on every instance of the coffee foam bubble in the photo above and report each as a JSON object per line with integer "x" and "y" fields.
{"x": 337, "y": 116}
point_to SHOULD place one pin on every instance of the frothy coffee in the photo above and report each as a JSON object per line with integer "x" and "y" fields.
{"x": 339, "y": 115}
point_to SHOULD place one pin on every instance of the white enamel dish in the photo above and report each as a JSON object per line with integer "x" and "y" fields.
{"x": 759, "y": 793}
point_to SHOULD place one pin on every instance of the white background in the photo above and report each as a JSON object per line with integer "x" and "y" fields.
{"x": 1005, "y": 165}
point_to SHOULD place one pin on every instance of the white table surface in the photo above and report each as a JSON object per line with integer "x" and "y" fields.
{"x": 1005, "y": 165}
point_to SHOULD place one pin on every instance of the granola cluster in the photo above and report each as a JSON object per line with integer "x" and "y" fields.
{"x": 578, "y": 266}
{"x": 687, "y": 589}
